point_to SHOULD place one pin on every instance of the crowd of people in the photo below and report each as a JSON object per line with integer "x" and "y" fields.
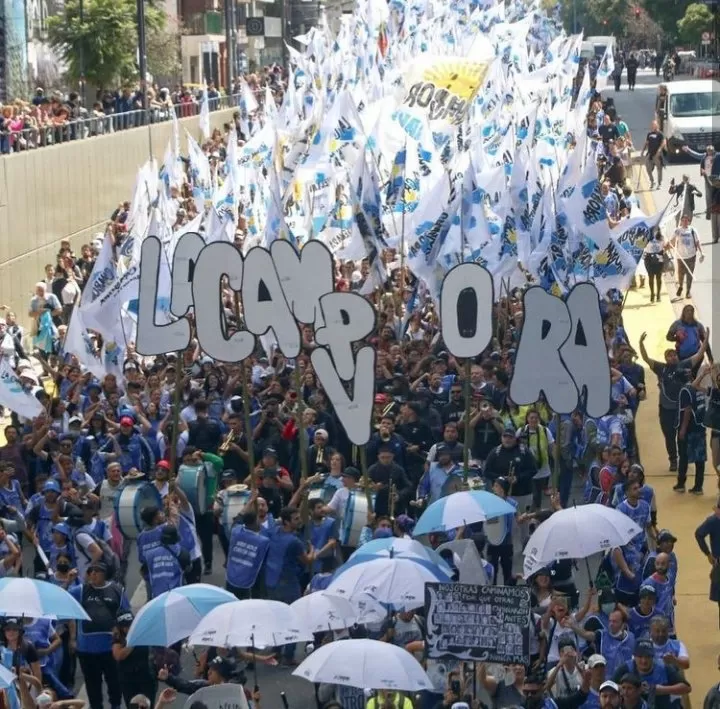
{"x": 613, "y": 645}
{"x": 49, "y": 118}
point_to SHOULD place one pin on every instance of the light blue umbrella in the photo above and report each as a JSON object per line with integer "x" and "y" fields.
{"x": 461, "y": 509}
{"x": 400, "y": 549}
{"x": 30, "y": 598}
{"x": 173, "y": 615}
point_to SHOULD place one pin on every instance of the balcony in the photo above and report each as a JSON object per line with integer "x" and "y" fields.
{"x": 201, "y": 23}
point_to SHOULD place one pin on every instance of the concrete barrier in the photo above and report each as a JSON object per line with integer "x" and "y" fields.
{"x": 68, "y": 191}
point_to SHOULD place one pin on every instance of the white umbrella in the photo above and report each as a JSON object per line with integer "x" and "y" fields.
{"x": 366, "y": 664}
{"x": 321, "y": 612}
{"x": 577, "y": 533}
{"x": 397, "y": 582}
{"x": 251, "y": 623}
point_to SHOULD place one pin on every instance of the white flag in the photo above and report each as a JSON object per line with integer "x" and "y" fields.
{"x": 204, "y": 120}
{"x": 14, "y": 397}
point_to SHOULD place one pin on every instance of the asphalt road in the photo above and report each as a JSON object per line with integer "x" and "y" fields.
{"x": 637, "y": 109}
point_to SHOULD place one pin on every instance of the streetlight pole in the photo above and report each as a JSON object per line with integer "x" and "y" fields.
{"x": 142, "y": 50}
{"x": 82, "y": 53}
{"x": 229, "y": 50}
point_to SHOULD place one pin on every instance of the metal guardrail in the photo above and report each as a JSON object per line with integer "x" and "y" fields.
{"x": 32, "y": 137}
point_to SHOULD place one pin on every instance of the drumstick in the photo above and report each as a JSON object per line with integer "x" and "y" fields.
{"x": 43, "y": 557}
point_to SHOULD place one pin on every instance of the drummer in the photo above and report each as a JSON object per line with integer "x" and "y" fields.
{"x": 433, "y": 482}
{"x": 336, "y": 507}
{"x": 161, "y": 477}
{"x": 228, "y": 478}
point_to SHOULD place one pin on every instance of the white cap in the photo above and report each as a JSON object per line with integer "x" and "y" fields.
{"x": 43, "y": 700}
{"x": 609, "y": 684}
{"x": 595, "y": 660}
{"x": 460, "y": 705}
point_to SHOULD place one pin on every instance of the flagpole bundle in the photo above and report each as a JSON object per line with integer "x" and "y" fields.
{"x": 177, "y": 400}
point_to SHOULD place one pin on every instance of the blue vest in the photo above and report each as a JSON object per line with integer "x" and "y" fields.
{"x": 147, "y": 540}
{"x": 671, "y": 647}
{"x": 56, "y": 551}
{"x": 44, "y": 527}
{"x": 633, "y": 558}
{"x": 320, "y": 535}
{"x": 11, "y": 497}
{"x": 276, "y": 557}
{"x": 592, "y": 701}
{"x": 164, "y": 570}
{"x": 39, "y": 633}
{"x": 640, "y": 624}
{"x": 664, "y": 598}
{"x": 185, "y": 530}
{"x": 657, "y": 675}
{"x": 616, "y": 652}
{"x": 246, "y": 553}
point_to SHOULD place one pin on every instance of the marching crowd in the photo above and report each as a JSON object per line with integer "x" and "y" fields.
{"x": 169, "y": 417}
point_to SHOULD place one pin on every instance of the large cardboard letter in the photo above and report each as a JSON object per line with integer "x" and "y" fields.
{"x": 348, "y": 318}
{"x": 355, "y": 413}
{"x": 264, "y": 304}
{"x": 538, "y": 365}
{"x": 305, "y": 276}
{"x": 187, "y": 251}
{"x": 585, "y": 353}
{"x": 215, "y": 261}
{"x": 466, "y": 301}
{"x": 151, "y": 338}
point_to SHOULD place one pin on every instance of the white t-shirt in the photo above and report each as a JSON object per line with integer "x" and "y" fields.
{"x": 108, "y": 493}
{"x": 83, "y": 542}
{"x": 338, "y": 502}
{"x": 686, "y": 242}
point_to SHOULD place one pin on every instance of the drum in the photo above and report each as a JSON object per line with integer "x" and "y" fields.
{"x": 193, "y": 482}
{"x": 235, "y": 501}
{"x": 130, "y": 503}
{"x": 355, "y": 518}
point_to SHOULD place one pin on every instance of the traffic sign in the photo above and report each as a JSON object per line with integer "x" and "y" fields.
{"x": 705, "y": 36}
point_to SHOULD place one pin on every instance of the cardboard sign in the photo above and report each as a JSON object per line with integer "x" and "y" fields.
{"x": 478, "y": 623}
{"x": 219, "y": 696}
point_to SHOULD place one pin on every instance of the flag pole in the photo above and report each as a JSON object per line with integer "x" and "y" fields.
{"x": 247, "y": 423}
{"x": 177, "y": 399}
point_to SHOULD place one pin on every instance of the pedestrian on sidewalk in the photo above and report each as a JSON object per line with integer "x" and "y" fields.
{"x": 686, "y": 244}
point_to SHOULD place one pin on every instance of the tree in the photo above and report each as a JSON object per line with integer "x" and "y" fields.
{"x": 697, "y": 19}
{"x": 163, "y": 52}
{"x": 102, "y": 46}
{"x": 667, "y": 13}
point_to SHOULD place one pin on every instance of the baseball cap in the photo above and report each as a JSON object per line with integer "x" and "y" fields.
{"x": 228, "y": 474}
{"x": 163, "y": 464}
{"x": 52, "y": 486}
{"x": 509, "y": 429}
{"x": 609, "y": 684}
{"x": 665, "y": 535}
{"x": 644, "y": 648}
{"x": 97, "y": 566}
{"x": 647, "y": 590}
{"x": 62, "y": 528}
{"x": 441, "y": 448}
{"x": 75, "y": 419}
{"x": 596, "y": 660}
{"x": 12, "y": 623}
{"x": 352, "y": 473}
{"x": 125, "y": 618}
{"x": 460, "y": 705}
{"x": 126, "y": 421}
{"x": 270, "y": 451}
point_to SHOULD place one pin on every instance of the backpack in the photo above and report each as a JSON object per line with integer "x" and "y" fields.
{"x": 109, "y": 557}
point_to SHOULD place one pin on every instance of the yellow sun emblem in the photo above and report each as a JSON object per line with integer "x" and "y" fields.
{"x": 602, "y": 258}
{"x": 462, "y": 78}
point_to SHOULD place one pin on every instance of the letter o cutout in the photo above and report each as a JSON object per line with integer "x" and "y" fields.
{"x": 466, "y": 303}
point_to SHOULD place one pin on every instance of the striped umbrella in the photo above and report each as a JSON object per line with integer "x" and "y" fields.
{"x": 173, "y": 615}
{"x": 31, "y": 598}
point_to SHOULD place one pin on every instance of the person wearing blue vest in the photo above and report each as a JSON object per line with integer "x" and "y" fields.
{"x": 285, "y": 563}
{"x": 660, "y": 681}
{"x": 323, "y": 536}
{"x": 154, "y": 519}
{"x": 664, "y": 588}
{"x": 641, "y": 616}
{"x": 665, "y": 545}
{"x": 166, "y": 563}
{"x": 444, "y": 469}
{"x": 41, "y": 633}
{"x": 92, "y": 639}
{"x": 500, "y": 549}
{"x": 246, "y": 553}
{"x": 615, "y": 643}
{"x": 668, "y": 650}
{"x": 639, "y": 512}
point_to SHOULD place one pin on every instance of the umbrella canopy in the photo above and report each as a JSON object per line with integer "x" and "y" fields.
{"x": 322, "y": 612}
{"x": 576, "y": 533}
{"x": 461, "y": 509}
{"x": 396, "y": 582}
{"x": 400, "y": 549}
{"x": 31, "y": 598}
{"x": 365, "y": 664}
{"x": 251, "y": 623}
{"x": 173, "y": 615}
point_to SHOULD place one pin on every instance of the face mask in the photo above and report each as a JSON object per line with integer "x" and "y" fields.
{"x": 63, "y": 567}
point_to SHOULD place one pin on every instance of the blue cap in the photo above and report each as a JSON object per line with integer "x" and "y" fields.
{"x": 52, "y": 486}
{"x": 383, "y": 533}
{"x": 62, "y": 528}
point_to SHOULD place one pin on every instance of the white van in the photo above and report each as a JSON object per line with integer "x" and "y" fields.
{"x": 693, "y": 115}
{"x": 600, "y": 44}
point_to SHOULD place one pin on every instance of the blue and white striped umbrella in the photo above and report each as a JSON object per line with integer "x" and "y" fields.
{"x": 396, "y": 548}
{"x": 173, "y": 615}
{"x": 30, "y": 598}
{"x": 461, "y": 509}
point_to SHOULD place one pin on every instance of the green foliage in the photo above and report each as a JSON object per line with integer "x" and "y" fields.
{"x": 103, "y": 45}
{"x": 163, "y": 53}
{"x": 667, "y": 13}
{"x": 698, "y": 18}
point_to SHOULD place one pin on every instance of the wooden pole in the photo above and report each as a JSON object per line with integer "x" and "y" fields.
{"x": 557, "y": 452}
{"x": 302, "y": 447}
{"x": 467, "y": 433}
{"x": 247, "y": 425}
{"x": 365, "y": 478}
{"x": 177, "y": 399}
